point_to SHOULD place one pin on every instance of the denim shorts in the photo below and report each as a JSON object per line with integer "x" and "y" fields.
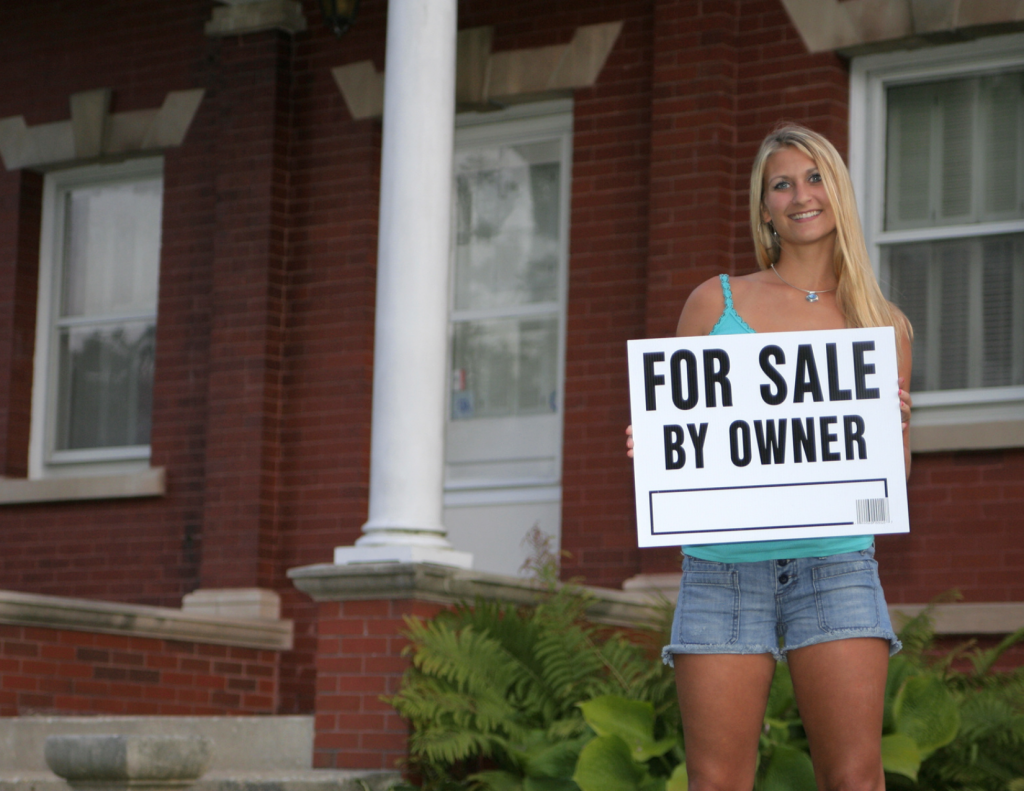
{"x": 774, "y": 606}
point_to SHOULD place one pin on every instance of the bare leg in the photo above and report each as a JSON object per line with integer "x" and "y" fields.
{"x": 840, "y": 691}
{"x": 722, "y": 698}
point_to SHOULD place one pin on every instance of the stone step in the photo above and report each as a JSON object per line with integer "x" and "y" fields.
{"x": 240, "y": 744}
{"x": 296, "y": 780}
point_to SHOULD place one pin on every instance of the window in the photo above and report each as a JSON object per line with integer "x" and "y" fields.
{"x": 937, "y": 155}
{"x": 96, "y": 320}
{"x": 507, "y": 330}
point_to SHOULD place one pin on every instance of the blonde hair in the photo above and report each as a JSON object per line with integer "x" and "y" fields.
{"x": 858, "y": 295}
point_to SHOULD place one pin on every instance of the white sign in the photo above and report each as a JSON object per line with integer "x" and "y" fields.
{"x": 767, "y": 436}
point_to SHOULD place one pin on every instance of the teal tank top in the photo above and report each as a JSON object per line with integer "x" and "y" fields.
{"x": 731, "y": 323}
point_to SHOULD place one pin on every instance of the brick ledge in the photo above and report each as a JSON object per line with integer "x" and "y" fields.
{"x": 135, "y": 620}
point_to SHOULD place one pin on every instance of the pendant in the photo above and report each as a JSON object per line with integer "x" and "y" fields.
{"x": 811, "y": 297}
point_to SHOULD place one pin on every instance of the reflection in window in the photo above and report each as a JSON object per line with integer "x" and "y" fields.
{"x": 506, "y": 281}
{"x": 504, "y": 368}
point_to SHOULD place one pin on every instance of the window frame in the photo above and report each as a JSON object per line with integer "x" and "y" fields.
{"x": 532, "y": 122}
{"x": 966, "y": 419}
{"x": 44, "y": 461}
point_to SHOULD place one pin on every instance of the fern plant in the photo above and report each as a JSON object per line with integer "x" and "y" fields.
{"x": 987, "y": 753}
{"x": 493, "y": 691}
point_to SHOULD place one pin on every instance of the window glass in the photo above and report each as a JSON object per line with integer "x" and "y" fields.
{"x": 508, "y": 246}
{"x": 504, "y": 367}
{"x": 106, "y": 325}
{"x": 959, "y": 295}
{"x": 955, "y": 158}
{"x": 507, "y": 236}
{"x": 954, "y": 152}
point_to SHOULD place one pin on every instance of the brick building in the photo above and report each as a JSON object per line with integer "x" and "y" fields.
{"x": 189, "y": 216}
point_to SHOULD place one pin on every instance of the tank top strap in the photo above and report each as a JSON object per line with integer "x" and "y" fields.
{"x": 726, "y": 291}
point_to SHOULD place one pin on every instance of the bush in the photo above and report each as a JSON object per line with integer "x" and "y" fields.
{"x": 508, "y": 698}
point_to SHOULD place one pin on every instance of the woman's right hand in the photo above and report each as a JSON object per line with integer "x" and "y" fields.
{"x": 629, "y": 441}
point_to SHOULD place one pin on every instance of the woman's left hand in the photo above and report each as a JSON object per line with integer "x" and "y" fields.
{"x": 905, "y": 404}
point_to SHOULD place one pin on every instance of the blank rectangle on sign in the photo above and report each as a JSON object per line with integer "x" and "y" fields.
{"x": 851, "y": 507}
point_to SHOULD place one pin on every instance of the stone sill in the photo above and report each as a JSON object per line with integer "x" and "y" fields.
{"x": 448, "y": 585}
{"x": 135, "y": 620}
{"x": 147, "y": 483}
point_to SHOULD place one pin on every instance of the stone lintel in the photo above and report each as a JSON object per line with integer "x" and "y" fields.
{"x": 489, "y": 80}
{"x": 93, "y": 132}
{"x": 135, "y": 620}
{"x": 448, "y": 585}
{"x": 239, "y": 18}
{"x": 856, "y": 27}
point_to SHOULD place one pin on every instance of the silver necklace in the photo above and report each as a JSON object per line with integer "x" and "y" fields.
{"x": 812, "y": 296}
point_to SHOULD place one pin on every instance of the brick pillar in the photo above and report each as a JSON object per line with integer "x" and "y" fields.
{"x": 697, "y": 197}
{"x": 359, "y": 660}
{"x": 21, "y": 202}
{"x": 248, "y": 312}
{"x": 360, "y": 625}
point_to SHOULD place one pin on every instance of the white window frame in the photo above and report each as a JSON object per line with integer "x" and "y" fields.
{"x": 951, "y": 419}
{"x": 515, "y": 125}
{"x": 43, "y": 461}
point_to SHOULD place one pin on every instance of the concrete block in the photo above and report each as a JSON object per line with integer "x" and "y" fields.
{"x": 241, "y": 745}
{"x": 93, "y": 758}
{"x": 244, "y": 603}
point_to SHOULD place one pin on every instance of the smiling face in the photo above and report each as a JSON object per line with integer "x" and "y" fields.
{"x": 794, "y": 199}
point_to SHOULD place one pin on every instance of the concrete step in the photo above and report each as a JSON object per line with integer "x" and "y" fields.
{"x": 240, "y": 744}
{"x": 295, "y": 780}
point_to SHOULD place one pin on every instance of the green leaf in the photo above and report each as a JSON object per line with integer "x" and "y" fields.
{"x": 552, "y": 760}
{"x": 789, "y": 770}
{"x": 549, "y": 784}
{"x": 678, "y": 781}
{"x": 631, "y": 720}
{"x": 606, "y": 764}
{"x": 900, "y": 755}
{"x": 900, "y": 669}
{"x": 781, "y": 700}
{"x": 925, "y": 711}
{"x": 498, "y": 780}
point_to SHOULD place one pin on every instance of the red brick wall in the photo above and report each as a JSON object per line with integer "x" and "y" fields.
{"x": 966, "y": 529}
{"x": 59, "y": 671}
{"x": 359, "y": 659}
{"x": 265, "y": 334}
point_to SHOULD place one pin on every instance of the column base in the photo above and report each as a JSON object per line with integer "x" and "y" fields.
{"x": 345, "y": 556}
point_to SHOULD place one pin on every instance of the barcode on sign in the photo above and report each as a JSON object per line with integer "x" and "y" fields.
{"x": 873, "y": 511}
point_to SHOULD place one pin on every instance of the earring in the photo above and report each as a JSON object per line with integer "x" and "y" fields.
{"x": 772, "y": 231}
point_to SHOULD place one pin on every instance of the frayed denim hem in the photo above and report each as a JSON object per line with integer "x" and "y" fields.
{"x": 895, "y": 646}
{"x": 670, "y": 651}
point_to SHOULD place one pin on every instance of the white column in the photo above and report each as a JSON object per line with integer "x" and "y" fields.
{"x": 410, "y": 343}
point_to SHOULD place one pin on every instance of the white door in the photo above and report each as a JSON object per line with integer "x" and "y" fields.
{"x": 507, "y": 331}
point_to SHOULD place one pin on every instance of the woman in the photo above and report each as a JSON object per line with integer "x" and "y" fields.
{"x": 815, "y": 603}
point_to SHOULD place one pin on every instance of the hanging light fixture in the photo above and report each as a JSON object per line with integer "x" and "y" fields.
{"x": 339, "y": 14}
